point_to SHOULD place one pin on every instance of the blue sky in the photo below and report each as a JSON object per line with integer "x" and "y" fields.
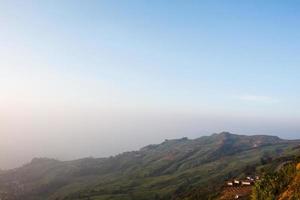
{"x": 198, "y": 66}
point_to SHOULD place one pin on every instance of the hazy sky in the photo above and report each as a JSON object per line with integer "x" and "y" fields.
{"x": 95, "y": 78}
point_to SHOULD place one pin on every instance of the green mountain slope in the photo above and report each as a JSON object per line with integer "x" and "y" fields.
{"x": 174, "y": 169}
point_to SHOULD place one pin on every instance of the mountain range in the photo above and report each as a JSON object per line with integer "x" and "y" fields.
{"x": 177, "y": 169}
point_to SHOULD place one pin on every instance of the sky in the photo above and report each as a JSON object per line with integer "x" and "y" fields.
{"x": 96, "y": 78}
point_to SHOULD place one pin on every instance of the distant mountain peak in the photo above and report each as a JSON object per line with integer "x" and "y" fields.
{"x": 223, "y": 134}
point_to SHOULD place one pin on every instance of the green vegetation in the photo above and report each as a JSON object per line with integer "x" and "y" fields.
{"x": 180, "y": 169}
{"x": 275, "y": 184}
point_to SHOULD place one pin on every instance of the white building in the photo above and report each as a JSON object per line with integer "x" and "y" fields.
{"x": 246, "y": 183}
